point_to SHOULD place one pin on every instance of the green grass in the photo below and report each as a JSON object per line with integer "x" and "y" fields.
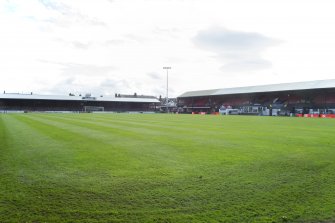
{"x": 166, "y": 168}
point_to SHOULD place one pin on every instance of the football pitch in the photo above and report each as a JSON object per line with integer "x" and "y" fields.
{"x": 166, "y": 168}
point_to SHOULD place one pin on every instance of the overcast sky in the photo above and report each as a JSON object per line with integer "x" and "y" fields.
{"x": 121, "y": 46}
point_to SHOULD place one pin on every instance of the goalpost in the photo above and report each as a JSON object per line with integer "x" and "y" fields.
{"x": 90, "y": 109}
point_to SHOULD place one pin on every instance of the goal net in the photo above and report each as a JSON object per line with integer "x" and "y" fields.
{"x": 90, "y": 109}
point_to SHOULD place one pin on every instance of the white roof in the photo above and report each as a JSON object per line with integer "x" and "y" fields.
{"x": 320, "y": 84}
{"x": 75, "y": 98}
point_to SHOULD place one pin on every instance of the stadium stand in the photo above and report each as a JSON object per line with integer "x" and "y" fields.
{"x": 313, "y": 97}
{"x": 54, "y": 103}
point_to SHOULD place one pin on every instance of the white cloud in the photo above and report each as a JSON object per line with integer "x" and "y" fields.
{"x": 238, "y": 51}
{"x": 104, "y": 46}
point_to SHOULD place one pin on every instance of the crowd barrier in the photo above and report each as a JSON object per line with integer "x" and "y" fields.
{"x": 316, "y": 115}
{"x": 199, "y": 113}
{"x": 205, "y": 113}
{"x": 297, "y": 115}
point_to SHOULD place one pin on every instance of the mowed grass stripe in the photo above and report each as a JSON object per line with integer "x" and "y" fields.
{"x": 227, "y": 124}
{"x": 209, "y": 179}
{"x": 99, "y": 143}
{"x": 228, "y": 136}
{"x": 187, "y": 142}
{"x": 122, "y": 188}
{"x": 128, "y": 182}
{"x": 143, "y": 132}
{"x": 137, "y": 129}
{"x": 118, "y": 135}
{"x": 225, "y": 127}
{"x": 26, "y": 150}
{"x": 106, "y": 124}
{"x": 22, "y": 161}
{"x": 241, "y": 153}
{"x": 114, "y": 120}
{"x": 158, "y": 149}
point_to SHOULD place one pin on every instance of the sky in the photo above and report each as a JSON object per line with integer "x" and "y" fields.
{"x": 105, "y": 47}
